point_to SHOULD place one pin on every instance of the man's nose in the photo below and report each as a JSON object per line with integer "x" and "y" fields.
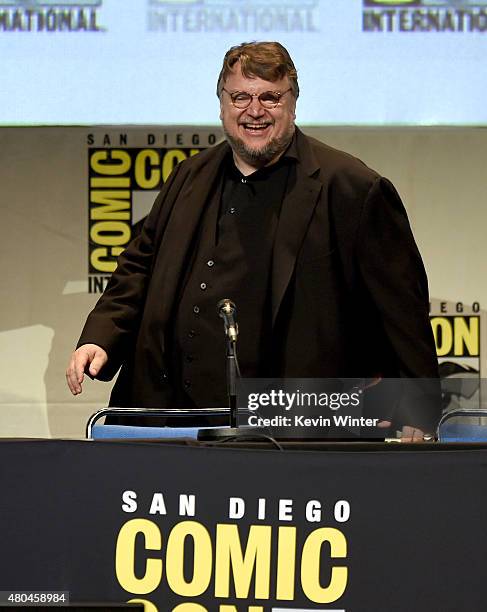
{"x": 255, "y": 108}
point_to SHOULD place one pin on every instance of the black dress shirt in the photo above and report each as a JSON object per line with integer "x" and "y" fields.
{"x": 232, "y": 259}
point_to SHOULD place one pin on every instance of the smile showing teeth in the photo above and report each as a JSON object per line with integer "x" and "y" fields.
{"x": 258, "y": 126}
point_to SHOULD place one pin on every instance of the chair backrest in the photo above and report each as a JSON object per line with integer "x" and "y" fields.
{"x": 100, "y": 431}
{"x": 463, "y": 426}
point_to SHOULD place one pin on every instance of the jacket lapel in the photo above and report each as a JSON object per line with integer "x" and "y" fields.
{"x": 296, "y": 212}
{"x": 184, "y": 222}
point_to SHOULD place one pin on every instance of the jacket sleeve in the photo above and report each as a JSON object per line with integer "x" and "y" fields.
{"x": 394, "y": 276}
{"x": 113, "y": 322}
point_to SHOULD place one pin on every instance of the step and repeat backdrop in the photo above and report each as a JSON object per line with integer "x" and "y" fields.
{"x": 90, "y": 85}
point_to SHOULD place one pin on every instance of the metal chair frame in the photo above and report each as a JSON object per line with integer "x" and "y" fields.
{"x": 470, "y": 414}
{"x": 161, "y": 412}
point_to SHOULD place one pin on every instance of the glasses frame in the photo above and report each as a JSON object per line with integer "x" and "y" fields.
{"x": 279, "y": 95}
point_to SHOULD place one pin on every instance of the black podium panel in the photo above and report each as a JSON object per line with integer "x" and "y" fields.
{"x": 365, "y": 529}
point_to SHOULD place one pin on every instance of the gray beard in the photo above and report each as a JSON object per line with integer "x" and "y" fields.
{"x": 260, "y": 157}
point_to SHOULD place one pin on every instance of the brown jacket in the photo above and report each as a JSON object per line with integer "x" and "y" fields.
{"x": 349, "y": 290}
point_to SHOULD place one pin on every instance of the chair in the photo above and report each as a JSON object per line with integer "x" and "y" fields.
{"x": 100, "y": 431}
{"x": 463, "y": 426}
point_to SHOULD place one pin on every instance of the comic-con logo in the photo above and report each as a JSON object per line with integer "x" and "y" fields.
{"x": 244, "y": 553}
{"x": 457, "y": 332}
{"x": 424, "y": 16}
{"x": 123, "y": 183}
{"x": 50, "y": 16}
{"x": 243, "y": 16}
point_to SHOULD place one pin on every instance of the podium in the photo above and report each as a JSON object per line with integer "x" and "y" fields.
{"x": 356, "y": 526}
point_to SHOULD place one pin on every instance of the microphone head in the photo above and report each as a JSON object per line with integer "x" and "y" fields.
{"x": 225, "y": 307}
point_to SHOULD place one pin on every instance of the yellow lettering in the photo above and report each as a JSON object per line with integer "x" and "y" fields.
{"x": 227, "y": 608}
{"x": 189, "y": 607}
{"x": 458, "y": 336}
{"x": 147, "y": 159}
{"x": 310, "y": 566}
{"x": 104, "y": 260}
{"x": 202, "y": 562}
{"x": 442, "y": 331}
{"x": 110, "y": 233}
{"x": 171, "y": 159}
{"x": 148, "y": 605}
{"x": 115, "y": 182}
{"x": 110, "y": 162}
{"x": 466, "y": 336}
{"x": 115, "y": 205}
{"x": 125, "y": 557}
{"x": 286, "y": 563}
{"x": 229, "y": 555}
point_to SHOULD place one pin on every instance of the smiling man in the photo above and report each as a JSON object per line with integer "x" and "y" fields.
{"x": 259, "y": 121}
{"x": 313, "y": 246}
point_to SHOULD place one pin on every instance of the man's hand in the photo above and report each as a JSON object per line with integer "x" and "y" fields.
{"x": 86, "y": 355}
{"x": 409, "y": 434}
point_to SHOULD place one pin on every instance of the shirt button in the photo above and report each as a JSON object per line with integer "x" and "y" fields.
{"x": 244, "y": 180}
{"x": 189, "y": 358}
{"x": 187, "y": 384}
{"x": 196, "y": 309}
{"x": 203, "y": 286}
{"x": 210, "y": 263}
{"x": 191, "y": 333}
{"x": 164, "y": 376}
{"x": 232, "y": 210}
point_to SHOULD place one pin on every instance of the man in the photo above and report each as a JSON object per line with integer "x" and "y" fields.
{"x": 313, "y": 247}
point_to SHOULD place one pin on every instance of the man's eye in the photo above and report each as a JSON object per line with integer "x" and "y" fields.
{"x": 269, "y": 97}
{"x": 240, "y": 97}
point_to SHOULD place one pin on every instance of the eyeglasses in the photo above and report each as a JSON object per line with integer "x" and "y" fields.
{"x": 268, "y": 99}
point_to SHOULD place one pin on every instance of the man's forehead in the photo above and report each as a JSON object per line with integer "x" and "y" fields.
{"x": 252, "y": 82}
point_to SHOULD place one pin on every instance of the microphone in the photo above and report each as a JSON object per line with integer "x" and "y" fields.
{"x": 227, "y": 310}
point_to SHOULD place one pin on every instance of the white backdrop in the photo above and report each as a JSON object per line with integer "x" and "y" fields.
{"x": 370, "y": 62}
